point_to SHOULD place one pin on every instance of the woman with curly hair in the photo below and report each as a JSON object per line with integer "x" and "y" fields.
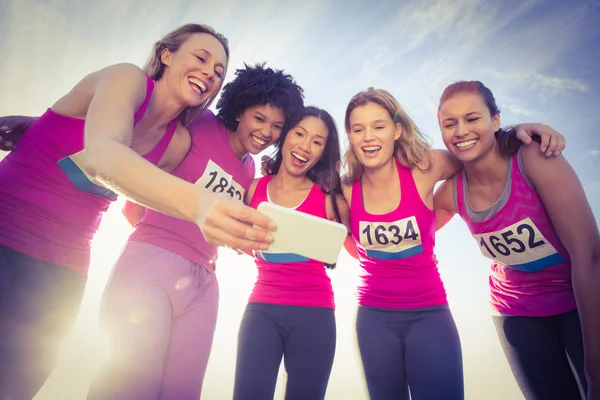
{"x": 160, "y": 307}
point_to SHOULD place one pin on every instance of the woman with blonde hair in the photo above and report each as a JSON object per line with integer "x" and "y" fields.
{"x": 407, "y": 337}
{"x": 62, "y": 176}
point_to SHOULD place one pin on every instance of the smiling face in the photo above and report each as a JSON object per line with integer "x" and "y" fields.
{"x": 259, "y": 126}
{"x": 467, "y": 126}
{"x": 304, "y": 145}
{"x": 372, "y": 135}
{"x": 196, "y": 69}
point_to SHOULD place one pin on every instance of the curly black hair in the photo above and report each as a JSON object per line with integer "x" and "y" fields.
{"x": 256, "y": 86}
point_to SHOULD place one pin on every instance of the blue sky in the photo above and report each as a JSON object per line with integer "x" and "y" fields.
{"x": 539, "y": 57}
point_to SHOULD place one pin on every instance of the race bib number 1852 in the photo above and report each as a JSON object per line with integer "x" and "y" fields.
{"x": 216, "y": 180}
{"x": 391, "y": 240}
{"x": 520, "y": 246}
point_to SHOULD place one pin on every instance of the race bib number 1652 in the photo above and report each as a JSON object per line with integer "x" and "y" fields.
{"x": 520, "y": 246}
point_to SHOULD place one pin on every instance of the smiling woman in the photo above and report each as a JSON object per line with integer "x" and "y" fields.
{"x": 530, "y": 216}
{"x": 64, "y": 174}
{"x": 164, "y": 282}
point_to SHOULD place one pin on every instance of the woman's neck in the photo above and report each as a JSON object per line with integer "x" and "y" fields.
{"x": 283, "y": 180}
{"x": 236, "y": 146}
{"x": 490, "y": 169}
{"x": 380, "y": 176}
{"x": 163, "y": 107}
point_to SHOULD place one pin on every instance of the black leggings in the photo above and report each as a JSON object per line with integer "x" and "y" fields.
{"x": 305, "y": 338}
{"x": 417, "y": 350}
{"x": 39, "y": 302}
{"x": 545, "y": 355}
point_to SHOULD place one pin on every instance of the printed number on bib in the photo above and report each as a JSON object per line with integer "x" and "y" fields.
{"x": 73, "y": 167}
{"x": 520, "y": 246}
{"x": 391, "y": 240}
{"x": 216, "y": 180}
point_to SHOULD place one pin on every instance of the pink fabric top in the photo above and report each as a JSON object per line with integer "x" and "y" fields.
{"x": 212, "y": 165}
{"x": 395, "y": 251}
{"x": 287, "y": 278}
{"x": 531, "y": 269}
{"x": 49, "y": 208}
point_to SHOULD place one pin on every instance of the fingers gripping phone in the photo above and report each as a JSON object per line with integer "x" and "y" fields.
{"x": 305, "y": 234}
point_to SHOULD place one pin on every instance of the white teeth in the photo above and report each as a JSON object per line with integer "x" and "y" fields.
{"x": 260, "y": 141}
{"x": 299, "y": 157}
{"x": 371, "y": 148}
{"x": 198, "y": 83}
{"x": 466, "y": 144}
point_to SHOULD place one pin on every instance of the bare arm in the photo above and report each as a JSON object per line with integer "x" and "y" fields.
{"x": 349, "y": 243}
{"x": 108, "y": 131}
{"x": 564, "y": 199}
{"x": 109, "y": 120}
{"x": 343, "y": 209}
{"x": 443, "y": 202}
{"x": 551, "y": 141}
{"x": 444, "y": 165}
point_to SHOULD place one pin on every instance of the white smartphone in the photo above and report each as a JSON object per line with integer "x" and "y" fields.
{"x": 305, "y": 234}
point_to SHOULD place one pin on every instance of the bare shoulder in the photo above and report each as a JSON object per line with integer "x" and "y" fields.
{"x": 444, "y": 164}
{"x": 250, "y": 193}
{"x": 443, "y": 198}
{"x": 77, "y": 101}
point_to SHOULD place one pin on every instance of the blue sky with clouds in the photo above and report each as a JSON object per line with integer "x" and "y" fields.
{"x": 541, "y": 59}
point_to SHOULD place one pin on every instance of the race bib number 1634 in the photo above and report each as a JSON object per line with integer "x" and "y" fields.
{"x": 391, "y": 240}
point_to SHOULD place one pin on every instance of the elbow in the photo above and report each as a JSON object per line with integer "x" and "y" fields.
{"x": 96, "y": 158}
{"x": 586, "y": 265}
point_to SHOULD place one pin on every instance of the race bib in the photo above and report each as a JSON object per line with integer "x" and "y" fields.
{"x": 520, "y": 246}
{"x": 73, "y": 167}
{"x": 216, "y": 180}
{"x": 391, "y": 240}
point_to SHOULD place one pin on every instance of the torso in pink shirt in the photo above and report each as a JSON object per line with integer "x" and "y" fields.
{"x": 395, "y": 251}
{"x": 291, "y": 279}
{"x": 531, "y": 269}
{"x": 212, "y": 165}
{"x": 49, "y": 208}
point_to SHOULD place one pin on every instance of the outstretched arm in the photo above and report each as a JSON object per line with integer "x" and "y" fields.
{"x": 108, "y": 131}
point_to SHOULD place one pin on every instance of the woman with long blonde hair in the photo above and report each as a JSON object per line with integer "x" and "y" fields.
{"x": 67, "y": 169}
{"x": 407, "y": 337}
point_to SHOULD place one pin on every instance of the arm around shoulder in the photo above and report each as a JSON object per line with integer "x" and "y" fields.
{"x": 444, "y": 164}
{"x": 443, "y": 202}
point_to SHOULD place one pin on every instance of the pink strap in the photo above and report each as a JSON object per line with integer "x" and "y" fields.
{"x": 158, "y": 151}
{"x": 144, "y": 106}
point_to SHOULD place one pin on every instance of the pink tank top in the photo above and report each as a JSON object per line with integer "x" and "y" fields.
{"x": 50, "y": 209}
{"x": 287, "y": 278}
{"x": 531, "y": 269}
{"x": 395, "y": 251}
{"x": 212, "y": 165}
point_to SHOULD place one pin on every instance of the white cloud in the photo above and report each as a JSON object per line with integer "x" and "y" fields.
{"x": 593, "y": 153}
